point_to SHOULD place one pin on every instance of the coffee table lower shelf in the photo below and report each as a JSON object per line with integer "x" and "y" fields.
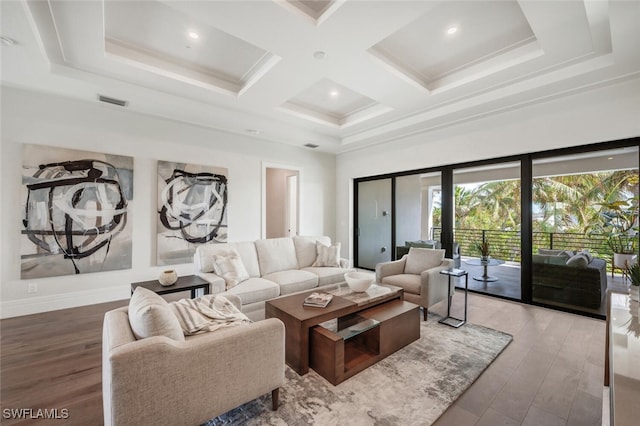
{"x": 337, "y": 357}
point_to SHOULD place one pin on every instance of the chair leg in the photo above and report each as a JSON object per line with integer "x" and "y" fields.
{"x": 424, "y": 313}
{"x": 274, "y": 398}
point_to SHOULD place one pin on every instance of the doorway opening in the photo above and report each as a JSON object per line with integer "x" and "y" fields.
{"x": 281, "y": 202}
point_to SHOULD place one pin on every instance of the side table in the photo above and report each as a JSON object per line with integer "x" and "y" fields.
{"x": 185, "y": 283}
{"x": 449, "y": 320}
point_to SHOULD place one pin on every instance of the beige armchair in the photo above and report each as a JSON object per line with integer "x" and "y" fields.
{"x": 161, "y": 381}
{"x": 418, "y": 273}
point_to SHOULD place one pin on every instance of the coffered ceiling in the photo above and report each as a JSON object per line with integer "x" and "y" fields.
{"x": 340, "y": 74}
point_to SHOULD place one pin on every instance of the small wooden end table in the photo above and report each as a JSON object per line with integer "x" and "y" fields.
{"x": 449, "y": 320}
{"x": 185, "y": 283}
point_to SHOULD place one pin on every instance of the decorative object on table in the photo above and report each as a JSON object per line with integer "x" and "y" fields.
{"x": 318, "y": 300}
{"x": 192, "y": 209}
{"x": 358, "y": 281}
{"x": 633, "y": 271}
{"x": 168, "y": 277}
{"x": 74, "y": 211}
{"x": 485, "y": 249}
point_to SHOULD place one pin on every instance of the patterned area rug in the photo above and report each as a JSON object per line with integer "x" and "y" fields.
{"x": 412, "y": 386}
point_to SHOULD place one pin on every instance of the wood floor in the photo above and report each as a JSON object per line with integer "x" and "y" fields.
{"x": 551, "y": 374}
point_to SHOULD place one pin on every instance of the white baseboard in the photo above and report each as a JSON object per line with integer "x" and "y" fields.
{"x": 35, "y": 305}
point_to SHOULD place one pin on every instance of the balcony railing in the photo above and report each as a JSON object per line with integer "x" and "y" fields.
{"x": 505, "y": 245}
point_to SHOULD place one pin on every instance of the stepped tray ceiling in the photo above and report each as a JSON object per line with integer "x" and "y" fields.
{"x": 341, "y": 74}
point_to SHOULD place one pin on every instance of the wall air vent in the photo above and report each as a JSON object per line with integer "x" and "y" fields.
{"x": 311, "y": 145}
{"x": 113, "y": 101}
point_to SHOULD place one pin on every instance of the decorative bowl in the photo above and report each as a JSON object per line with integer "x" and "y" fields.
{"x": 359, "y": 281}
{"x": 168, "y": 277}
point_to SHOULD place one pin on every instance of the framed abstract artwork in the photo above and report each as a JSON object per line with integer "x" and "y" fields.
{"x": 192, "y": 209}
{"x": 75, "y": 207}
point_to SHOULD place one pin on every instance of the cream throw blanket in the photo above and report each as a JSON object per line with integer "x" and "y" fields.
{"x": 207, "y": 313}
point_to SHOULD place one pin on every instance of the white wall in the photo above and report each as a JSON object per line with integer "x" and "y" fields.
{"x": 29, "y": 117}
{"x": 277, "y": 200}
{"x": 597, "y": 115}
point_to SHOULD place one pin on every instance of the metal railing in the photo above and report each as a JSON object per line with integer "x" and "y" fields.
{"x": 505, "y": 245}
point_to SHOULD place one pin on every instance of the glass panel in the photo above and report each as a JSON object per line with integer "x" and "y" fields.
{"x": 417, "y": 212}
{"x": 585, "y": 210}
{"x": 487, "y": 227}
{"x": 374, "y": 223}
{"x": 349, "y": 326}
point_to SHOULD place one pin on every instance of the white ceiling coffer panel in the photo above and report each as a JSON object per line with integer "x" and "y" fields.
{"x": 329, "y": 103}
{"x": 315, "y": 11}
{"x": 177, "y": 46}
{"x": 400, "y": 67}
{"x": 454, "y": 37}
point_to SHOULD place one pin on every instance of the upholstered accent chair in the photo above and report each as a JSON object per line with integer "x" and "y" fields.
{"x": 418, "y": 273}
{"x": 160, "y": 380}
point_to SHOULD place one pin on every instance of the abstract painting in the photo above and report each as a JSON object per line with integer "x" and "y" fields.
{"x": 75, "y": 205}
{"x": 192, "y": 209}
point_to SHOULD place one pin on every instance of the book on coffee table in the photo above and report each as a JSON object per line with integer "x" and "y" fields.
{"x": 318, "y": 300}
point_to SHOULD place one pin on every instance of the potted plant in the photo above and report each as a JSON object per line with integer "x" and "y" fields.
{"x": 484, "y": 249}
{"x": 620, "y": 226}
{"x": 633, "y": 271}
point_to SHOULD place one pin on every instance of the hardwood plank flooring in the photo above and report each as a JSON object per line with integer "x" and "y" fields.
{"x": 550, "y": 374}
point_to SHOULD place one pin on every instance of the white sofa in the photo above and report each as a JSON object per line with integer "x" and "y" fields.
{"x": 276, "y": 267}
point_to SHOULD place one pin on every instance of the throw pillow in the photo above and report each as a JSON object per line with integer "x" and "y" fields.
{"x": 150, "y": 315}
{"x": 588, "y": 255}
{"x": 578, "y": 261}
{"x": 229, "y": 266}
{"x": 421, "y": 259}
{"x": 327, "y": 255}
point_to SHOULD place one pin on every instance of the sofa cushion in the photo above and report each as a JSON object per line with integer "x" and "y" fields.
{"x": 327, "y": 275}
{"x": 293, "y": 280}
{"x": 150, "y": 315}
{"x": 327, "y": 255}
{"x": 276, "y": 254}
{"x": 306, "y": 248}
{"x": 229, "y": 266}
{"x": 255, "y": 290}
{"x": 421, "y": 259}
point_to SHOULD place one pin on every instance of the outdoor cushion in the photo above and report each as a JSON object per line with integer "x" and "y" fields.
{"x": 578, "y": 261}
{"x": 276, "y": 254}
{"x": 150, "y": 315}
{"x": 420, "y": 259}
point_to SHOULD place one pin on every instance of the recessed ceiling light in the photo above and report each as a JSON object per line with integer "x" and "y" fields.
{"x": 334, "y": 93}
{"x": 193, "y": 35}
{"x": 609, "y": 158}
{"x": 452, "y": 30}
{"x": 320, "y": 55}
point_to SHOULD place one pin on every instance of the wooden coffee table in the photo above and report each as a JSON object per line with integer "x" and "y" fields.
{"x": 402, "y": 320}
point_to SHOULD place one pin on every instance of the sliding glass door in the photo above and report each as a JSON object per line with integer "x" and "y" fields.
{"x": 487, "y": 227}
{"x": 374, "y": 223}
{"x": 585, "y": 227}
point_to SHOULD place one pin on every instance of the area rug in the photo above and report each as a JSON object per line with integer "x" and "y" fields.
{"x": 413, "y": 386}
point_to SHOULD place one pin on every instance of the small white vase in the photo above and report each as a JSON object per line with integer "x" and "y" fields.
{"x": 168, "y": 277}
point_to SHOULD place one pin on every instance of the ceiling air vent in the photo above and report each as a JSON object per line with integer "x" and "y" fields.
{"x": 311, "y": 145}
{"x": 113, "y": 101}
